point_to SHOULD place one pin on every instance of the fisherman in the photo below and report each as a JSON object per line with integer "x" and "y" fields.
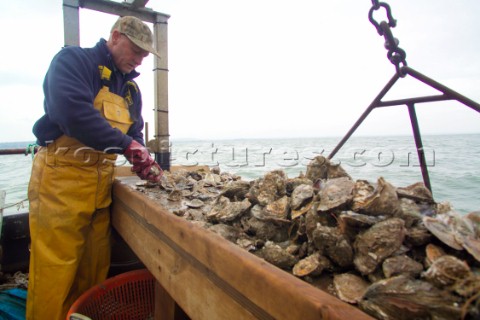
{"x": 92, "y": 113}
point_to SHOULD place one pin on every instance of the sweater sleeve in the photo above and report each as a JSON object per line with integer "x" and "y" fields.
{"x": 70, "y": 90}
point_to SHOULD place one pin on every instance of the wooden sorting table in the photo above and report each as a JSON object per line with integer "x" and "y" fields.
{"x": 206, "y": 275}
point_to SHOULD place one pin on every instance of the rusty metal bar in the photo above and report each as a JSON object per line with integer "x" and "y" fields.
{"x": 23, "y": 151}
{"x": 448, "y": 94}
{"x": 372, "y": 106}
{"x": 440, "y": 87}
{"x": 418, "y": 143}
{"x": 398, "y": 102}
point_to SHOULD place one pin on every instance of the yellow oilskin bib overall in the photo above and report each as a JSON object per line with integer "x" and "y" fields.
{"x": 70, "y": 194}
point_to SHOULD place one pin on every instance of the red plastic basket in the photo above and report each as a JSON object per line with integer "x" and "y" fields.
{"x": 127, "y": 296}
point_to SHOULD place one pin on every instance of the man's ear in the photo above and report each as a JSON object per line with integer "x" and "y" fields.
{"x": 116, "y": 36}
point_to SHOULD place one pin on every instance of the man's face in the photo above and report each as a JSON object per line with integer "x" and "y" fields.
{"x": 126, "y": 55}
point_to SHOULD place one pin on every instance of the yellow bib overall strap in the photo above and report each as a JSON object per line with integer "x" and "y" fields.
{"x": 70, "y": 194}
{"x": 113, "y": 107}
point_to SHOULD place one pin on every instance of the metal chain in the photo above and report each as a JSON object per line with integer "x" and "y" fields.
{"x": 396, "y": 55}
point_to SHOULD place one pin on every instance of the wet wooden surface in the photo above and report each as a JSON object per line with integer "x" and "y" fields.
{"x": 209, "y": 277}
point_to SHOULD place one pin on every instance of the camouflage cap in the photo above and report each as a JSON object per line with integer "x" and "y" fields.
{"x": 137, "y": 31}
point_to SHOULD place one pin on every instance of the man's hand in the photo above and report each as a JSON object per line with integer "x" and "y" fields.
{"x": 142, "y": 163}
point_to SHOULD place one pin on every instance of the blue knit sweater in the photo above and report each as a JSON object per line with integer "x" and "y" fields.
{"x": 70, "y": 87}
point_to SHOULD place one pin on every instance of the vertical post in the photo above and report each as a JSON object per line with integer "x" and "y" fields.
{"x": 71, "y": 22}
{"x": 419, "y": 145}
{"x": 161, "y": 146}
{"x": 3, "y": 195}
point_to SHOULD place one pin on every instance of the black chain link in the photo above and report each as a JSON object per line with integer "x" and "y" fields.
{"x": 396, "y": 55}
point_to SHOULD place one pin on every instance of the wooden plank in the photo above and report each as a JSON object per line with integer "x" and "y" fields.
{"x": 185, "y": 283}
{"x": 164, "y": 304}
{"x": 126, "y": 171}
{"x": 248, "y": 286}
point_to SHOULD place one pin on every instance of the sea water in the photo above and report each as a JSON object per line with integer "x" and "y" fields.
{"x": 452, "y": 161}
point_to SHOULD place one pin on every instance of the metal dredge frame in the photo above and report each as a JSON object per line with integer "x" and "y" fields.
{"x": 397, "y": 57}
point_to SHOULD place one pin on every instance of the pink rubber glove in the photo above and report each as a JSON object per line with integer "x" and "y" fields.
{"x": 142, "y": 163}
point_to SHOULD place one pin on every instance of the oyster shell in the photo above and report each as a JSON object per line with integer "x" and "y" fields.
{"x": 377, "y": 243}
{"x": 332, "y": 243}
{"x": 175, "y": 195}
{"x": 474, "y": 219}
{"x": 224, "y": 210}
{"x": 212, "y": 179}
{"x": 432, "y": 253}
{"x": 443, "y": 231}
{"x": 269, "y": 188}
{"x": 335, "y": 193}
{"x": 417, "y": 235}
{"x": 228, "y": 232}
{"x": 320, "y": 168}
{"x": 279, "y": 208}
{"x": 382, "y": 201}
{"x": 446, "y": 271}
{"x": 265, "y": 230}
{"x": 402, "y": 264}
{"x": 350, "y": 287}
{"x": 292, "y": 183}
{"x": 404, "y": 298}
{"x": 301, "y": 195}
{"x": 417, "y": 192}
{"x": 194, "y": 203}
{"x": 352, "y": 223}
{"x": 275, "y": 213}
{"x": 456, "y": 231}
{"x": 236, "y": 190}
{"x": 277, "y": 256}
{"x": 312, "y": 265}
{"x": 410, "y": 212}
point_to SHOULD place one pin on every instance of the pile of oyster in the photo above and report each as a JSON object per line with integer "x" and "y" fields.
{"x": 393, "y": 252}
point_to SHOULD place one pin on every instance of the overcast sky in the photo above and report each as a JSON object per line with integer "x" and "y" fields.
{"x": 265, "y": 68}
